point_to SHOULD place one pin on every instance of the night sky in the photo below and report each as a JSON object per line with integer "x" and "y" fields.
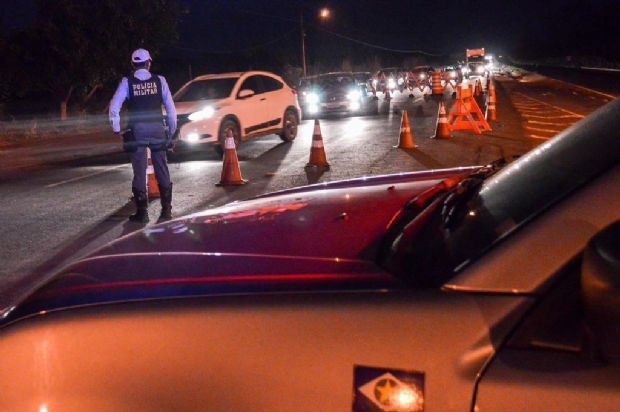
{"x": 217, "y": 28}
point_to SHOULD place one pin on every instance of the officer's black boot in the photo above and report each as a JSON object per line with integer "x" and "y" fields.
{"x": 166, "y": 202}
{"x": 142, "y": 205}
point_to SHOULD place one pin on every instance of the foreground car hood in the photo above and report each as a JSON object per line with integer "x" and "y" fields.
{"x": 322, "y": 237}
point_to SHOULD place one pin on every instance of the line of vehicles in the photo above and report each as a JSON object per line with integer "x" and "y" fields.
{"x": 257, "y": 103}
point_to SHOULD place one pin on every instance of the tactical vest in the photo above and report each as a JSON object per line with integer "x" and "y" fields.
{"x": 145, "y": 99}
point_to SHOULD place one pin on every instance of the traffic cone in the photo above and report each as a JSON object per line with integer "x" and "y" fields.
{"x": 151, "y": 183}
{"x": 231, "y": 174}
{"x": 477, "y": 88}
{"x": 406, "y": 139}
{"x": 491, "y": 113}
{"x": 317, "y": 152}
{"x": 442, "y": 131}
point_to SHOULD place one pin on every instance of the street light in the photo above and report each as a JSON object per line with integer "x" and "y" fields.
{"x": 324, "y": 14}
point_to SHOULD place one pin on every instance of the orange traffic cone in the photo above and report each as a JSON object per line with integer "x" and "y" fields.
{"x": 231, "y": 174}
{"x": 491, "y": 113}
{"x": 406, "y": 139}
{"x": 442, "y": 131}
{"x": 317, "y": 152}
{"x": 151, "y": 182}
{"x": 477, "y": 88}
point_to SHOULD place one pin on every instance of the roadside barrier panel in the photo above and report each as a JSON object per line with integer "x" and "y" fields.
{"x": 465, "y": 114}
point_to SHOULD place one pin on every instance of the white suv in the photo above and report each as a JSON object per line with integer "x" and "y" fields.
{"x": 250, "y": 104}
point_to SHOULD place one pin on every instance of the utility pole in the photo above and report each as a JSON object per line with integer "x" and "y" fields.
{"x": 303, "y": 39}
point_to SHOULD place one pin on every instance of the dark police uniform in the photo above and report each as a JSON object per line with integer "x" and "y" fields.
{"x": 145, "y": 94}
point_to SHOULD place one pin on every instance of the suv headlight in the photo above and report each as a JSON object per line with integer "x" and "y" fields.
{"x": 205, "y": 113}
{"x": 354, "y": 95}
{"x": 312, "y": 98}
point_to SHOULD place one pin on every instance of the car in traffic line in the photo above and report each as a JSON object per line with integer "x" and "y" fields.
{"x": 335, "y": 92}
{"x": 364, "y": 79}
{"x": 391, "y": 78}
{"x": 249, "y": 104}
{"x": 475, "y": 69}
{"x": 481, "y": 288}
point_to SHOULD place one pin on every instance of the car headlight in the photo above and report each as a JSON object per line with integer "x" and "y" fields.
{"x": 354, "y": 95}
{"x": 480, "y": 69}
{"x": 391, "y": 83}
{"x": 312, "y": 98}
{"x": 465, "y": 70}
{"x": 374, "y": 83}
{"x": 452, "y": 74}
{"x": 205, "y": 113}
{"x": 422, "y": 75}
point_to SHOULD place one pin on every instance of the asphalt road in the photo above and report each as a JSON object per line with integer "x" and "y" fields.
{"x": 64, "y": 197}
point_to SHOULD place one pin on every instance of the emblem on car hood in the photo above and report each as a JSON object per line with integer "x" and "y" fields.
{"x": 381, "y": 389}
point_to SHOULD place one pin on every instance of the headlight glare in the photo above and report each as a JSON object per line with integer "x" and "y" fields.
{"x": 205, "y": 113}
{"x": 354, "y": 95}
{"x": 312, "y": 98}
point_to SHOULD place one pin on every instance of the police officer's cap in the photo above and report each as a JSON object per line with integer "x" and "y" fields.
{"x": 140, "y": 56}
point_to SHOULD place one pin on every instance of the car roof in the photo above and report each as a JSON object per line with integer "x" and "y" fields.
{"x": 336, "y": 74}
{"x": 234, "y": 75}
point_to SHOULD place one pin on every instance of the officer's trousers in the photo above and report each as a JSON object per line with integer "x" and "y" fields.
{"x": 153, "y": 135}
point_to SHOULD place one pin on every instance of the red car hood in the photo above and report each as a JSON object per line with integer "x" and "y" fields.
{"x": 320, "y": 237}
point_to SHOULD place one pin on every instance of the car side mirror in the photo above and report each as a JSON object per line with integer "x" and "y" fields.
{"x": 245, "y": 93}
{"x": 600, "y": 288}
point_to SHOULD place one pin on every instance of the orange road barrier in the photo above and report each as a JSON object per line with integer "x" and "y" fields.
{"x": 231, "y": 174}
{"x": 151, "y": 183}
{"x": 406, "y": 138}
{"x": 477, "y": 88}
{"x": 492, "y": 90}
{"x": 442, "y": 131}
{"x": 317, "y": 152}
{"x": 491, "y": 110}
{"x": 461, "y": 116}
{"x": 436, "y": 87}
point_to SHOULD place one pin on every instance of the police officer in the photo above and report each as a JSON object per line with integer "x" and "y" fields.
{"x": 145, "y": 93}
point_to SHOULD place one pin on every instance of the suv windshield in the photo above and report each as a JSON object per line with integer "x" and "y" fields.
{"x": 457, "y": 223}
{"x": 209, "y": 89}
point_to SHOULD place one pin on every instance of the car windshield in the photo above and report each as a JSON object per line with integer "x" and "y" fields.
{"x": 439, "y": 234}
{"x": 362, "y": 77}
{"x": 209, "y": 89}
{"x": 335, "y": 82}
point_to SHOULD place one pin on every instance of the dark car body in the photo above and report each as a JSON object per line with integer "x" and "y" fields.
{"x": 364, "y": 79}
{"x": 334, "y": 93}
{"x": 383, "y": 76}
{"x": 490, "y": 288}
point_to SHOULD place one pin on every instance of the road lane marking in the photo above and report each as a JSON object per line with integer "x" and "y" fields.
{"x": 84, "y": 177}
{"x": 543, "y": 130}
{"x": 555, "y": 107}
{"x": 547, "y": 123}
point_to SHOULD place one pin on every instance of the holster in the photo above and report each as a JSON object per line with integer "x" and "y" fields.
{"x": 129, "y": 141}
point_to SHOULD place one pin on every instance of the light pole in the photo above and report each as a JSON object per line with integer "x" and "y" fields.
{"x": 303, "y": 40}
{"x": 324, "y": 14}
